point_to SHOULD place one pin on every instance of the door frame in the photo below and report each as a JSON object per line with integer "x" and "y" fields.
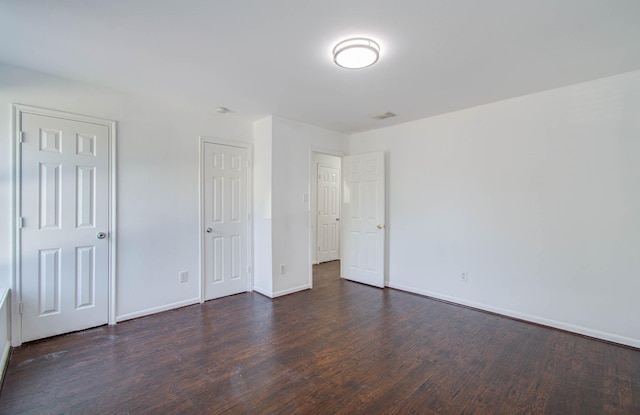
{"x": 313, "y": 222}
{"x": 16, "y": 198}
{"x": 201, "y": 221}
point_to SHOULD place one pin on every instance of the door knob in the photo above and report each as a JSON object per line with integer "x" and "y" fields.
{"x": 379, "y": 226}
{"x": 337, "y": 219}
{"x": 209, "y": 230}
{"x": 101, "y": 235}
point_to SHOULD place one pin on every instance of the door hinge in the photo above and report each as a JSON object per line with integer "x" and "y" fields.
{"x": 249, "y": 270}
{"x": 20, "y": 222}
{"x": 20, "y": 307}
{"x": 21, "y": 137}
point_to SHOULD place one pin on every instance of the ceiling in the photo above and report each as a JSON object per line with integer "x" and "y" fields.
{"x": 260, "y": 57}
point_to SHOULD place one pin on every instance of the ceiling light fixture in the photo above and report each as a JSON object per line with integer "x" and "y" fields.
{"x": 356, "y": 53}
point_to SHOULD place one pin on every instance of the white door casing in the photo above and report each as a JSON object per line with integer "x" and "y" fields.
{"x": 225, "y": 209}
{"x": 64, "y": 220}
{"x": 328, "y": 214}
{"x": 363, "y": 215}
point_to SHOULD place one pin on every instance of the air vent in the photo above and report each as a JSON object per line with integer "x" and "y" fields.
{"x": 382, "y": 115}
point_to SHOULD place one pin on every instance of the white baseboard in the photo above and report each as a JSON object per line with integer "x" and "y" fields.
{"x": 272, "y": 294}
{"x": 155, "y": 310}
{"x": 4, "y": 360}
{"x": 527, "y": 317}
{"x": 262, "y": 291}
{"x": 5, "y": 337}
{"x": 291, "y": 290}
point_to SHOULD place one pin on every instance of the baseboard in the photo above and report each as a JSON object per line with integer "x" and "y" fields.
{"x": 585, "y": 331}
{"x": 291, "y": 290}
{"x": 4, "y": 362}
{"x": 154, "y": 310}
{"x": 5, "y": 337}
{"x": 261, "y": 291}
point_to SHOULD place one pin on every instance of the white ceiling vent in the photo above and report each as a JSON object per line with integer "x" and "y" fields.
{"x": 382, "y": 115}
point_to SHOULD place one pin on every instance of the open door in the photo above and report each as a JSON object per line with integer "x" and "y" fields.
{"x": 363, "y": 213}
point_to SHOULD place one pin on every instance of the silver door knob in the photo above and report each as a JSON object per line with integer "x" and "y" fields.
{"x": 209, "y": 230}
{"x": 101, "y": 235}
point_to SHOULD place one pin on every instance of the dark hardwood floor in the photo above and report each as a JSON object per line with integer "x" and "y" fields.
{"x": 341, "y": 348}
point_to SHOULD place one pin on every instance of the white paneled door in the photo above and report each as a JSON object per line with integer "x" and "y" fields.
{"x": 363, "y": 214}
{"x": 225, "y": 220}
{"x": 328, "y": 213}
{"x": 64, "y": 253}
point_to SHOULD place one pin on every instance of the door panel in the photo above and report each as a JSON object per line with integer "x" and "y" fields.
{"x": 328, "y": 213}
{"x": 363, "y": 214}
{"x": 64, "y": 204}
{"x": 225, "y": 220}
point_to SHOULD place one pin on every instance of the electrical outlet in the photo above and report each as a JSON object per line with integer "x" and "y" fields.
{"x": 464, "y": 277}
{"x": 283, "y": 269}
{"x": 183, "y": 276}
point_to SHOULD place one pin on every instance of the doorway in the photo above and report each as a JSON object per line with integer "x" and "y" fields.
{"x": 326, "y": 190}
{"x": 361, "y": 233}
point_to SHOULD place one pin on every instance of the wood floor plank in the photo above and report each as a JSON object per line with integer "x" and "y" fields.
{"x": 340, "y": 348}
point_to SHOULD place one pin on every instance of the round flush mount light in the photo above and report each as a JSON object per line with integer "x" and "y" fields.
{"x": 356, "y": 53}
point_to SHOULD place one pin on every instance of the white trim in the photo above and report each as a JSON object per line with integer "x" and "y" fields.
{"x": 272, "y": 294}
{"x": 16, "y": 191}
{"x": 249, "y": 148}
{"x": 16, "y": 195}
{"x": 260, "y": 291}
{"x": 113, "y": 208}
{"x": 526, "y": 317}
{"x": 290, "y": 290}
{"x": 154, "y": 310}
{"x": 4, "y": 358}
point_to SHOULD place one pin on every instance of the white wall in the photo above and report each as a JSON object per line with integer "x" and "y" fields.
{"x": 537, "y": 198}
{"x": 290, "y": 157}
{"x": 325, "y": 160}
{"x": 262, "y": 184}
{"x": 292, "y": 146}
{"x": 157, "y": 176}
